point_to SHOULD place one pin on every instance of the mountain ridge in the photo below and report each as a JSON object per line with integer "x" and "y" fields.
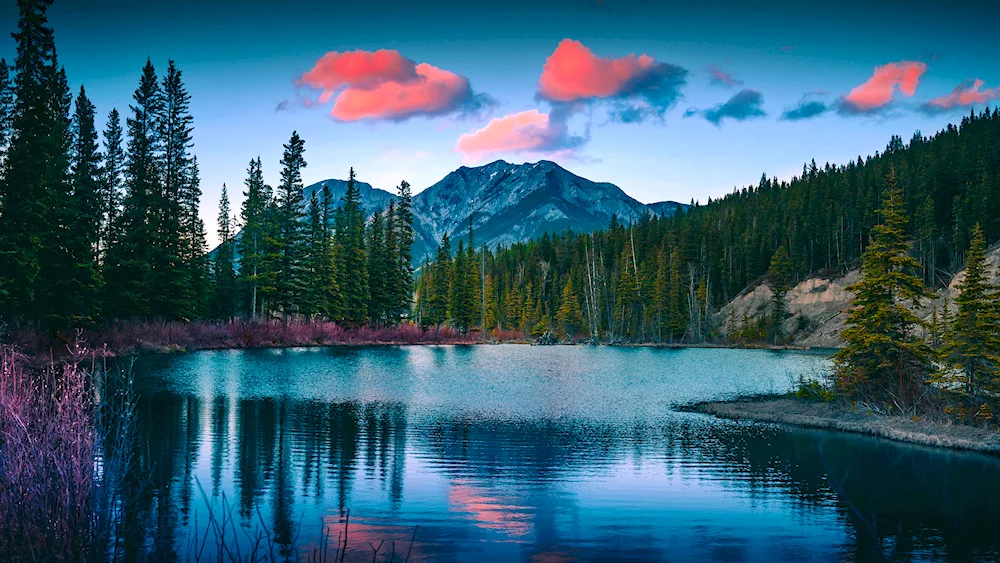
{"x": 508, "y": 203}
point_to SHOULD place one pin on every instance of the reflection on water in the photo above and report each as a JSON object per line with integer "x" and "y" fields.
{"x": 528, "y": 453}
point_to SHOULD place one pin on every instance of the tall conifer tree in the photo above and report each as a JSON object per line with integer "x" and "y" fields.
{"x": 291, "y": 288}
{"x": 883, "y": 360}
{"x": 352, "y": 261}
{"x": 972, "y": 344}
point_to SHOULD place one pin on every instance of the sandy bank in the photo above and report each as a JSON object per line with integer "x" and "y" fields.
{"x": 789, "y": 410}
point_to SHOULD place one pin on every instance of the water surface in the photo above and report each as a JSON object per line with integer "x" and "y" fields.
{"x": 518, "y": 453}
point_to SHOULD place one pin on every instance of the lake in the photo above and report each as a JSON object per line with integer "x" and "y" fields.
{"x": 522, "y": 453}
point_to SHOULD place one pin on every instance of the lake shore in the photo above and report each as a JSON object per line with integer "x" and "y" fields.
{"x": 146, "y": 337}
{"x": 787, "y": 409}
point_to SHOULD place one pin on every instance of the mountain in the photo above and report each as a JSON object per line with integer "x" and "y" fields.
{"x": 372, "y": 199}
{"x": 508, "y": 203}
{"x": 666, "y": 208}
{"x": 511, "y": 203}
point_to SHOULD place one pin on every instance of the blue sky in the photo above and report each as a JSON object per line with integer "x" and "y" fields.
{"x": 241, "y": 60}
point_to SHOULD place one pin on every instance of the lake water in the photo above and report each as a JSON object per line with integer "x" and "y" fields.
{"x": 520, "y": 453}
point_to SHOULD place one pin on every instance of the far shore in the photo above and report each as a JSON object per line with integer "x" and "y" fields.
{"x": 139, "y": 338}
{"x": 787, "y": 409}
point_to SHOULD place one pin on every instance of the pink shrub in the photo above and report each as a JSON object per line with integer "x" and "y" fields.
{"x": 46, "y": 459}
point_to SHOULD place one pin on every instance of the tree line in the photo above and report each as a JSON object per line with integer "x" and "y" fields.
{"x": 664, "y": 278}
{"x": 315, "y": 259}
{"x": 103, "y": 226}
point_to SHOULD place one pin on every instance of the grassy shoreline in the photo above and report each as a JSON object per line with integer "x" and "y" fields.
{"x": 138, "y": 338}
{"x": 787, "y": 409}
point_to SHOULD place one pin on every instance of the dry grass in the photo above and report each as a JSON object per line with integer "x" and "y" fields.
{"x": 64, "y": 452}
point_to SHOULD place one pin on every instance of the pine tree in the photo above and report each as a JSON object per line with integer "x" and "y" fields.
{"x": 180, "y": 238}
{"x": 440, "y": 284}
{"x": 79, "y": 290}
{"x": 195, "y": 249}
{"x": 130, "y": 285}
{"x": 459, "y": 314}
{"x": 332, "y": 303}
{"x": 252, "y": 240}
{"x": 224, "y": 302}
{"x": 403, "y": 227}
{"x": 112, "y": 178}
{"x": 972, "y": 344}
{"x": 568, "y": 317}
{"x": 36, "y": 146}
{"x": 779, "y": 271}
{"x": 64, "y": 236}
{"x": 378, "y": 274}
{"x": 352, "y": 262}
{"x": 291, "y": 287}
{"x": 883, "y": 360}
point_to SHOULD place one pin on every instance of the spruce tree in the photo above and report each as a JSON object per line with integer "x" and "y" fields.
{"x": 252, "y": 239}
{"x": 224, "y": 302}
{"x": 440, "y": 284}
{"x": 291, "y": 287}
{"x": 568, "y": 317}
{"x": 972, "y": 344}
{"x": 352, "y": 261}
{"x": 459, "y": 313}
{"x": 378, "y": 275}
{"x": 779, "y": 272}
{"x": 332, "y": 303}
{"x": 78, "y": 291}
{"x": 403, "y": 226}
{"x": 179, "y": 236}
{"x": 112, "y": 178}
{"x": 130, "y": 281}
{"x": 58, "y": 280}
{"x": 36, "y": 147}
{"x": 883, "y": 360}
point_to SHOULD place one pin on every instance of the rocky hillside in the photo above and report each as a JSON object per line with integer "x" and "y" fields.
{"x": 819, "y": 305}
{"x": 512, "y": 203}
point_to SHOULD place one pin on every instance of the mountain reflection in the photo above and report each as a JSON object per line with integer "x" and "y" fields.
{"x": 535, "y": 489}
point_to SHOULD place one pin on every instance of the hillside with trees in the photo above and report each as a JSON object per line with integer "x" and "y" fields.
{"x": 661, "y": 279}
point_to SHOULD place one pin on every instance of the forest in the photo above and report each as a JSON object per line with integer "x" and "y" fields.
{"x": 662, "y": 279}
{"x": 104, "y": 227}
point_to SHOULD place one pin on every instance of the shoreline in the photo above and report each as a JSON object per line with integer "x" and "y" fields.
{"x": 792, "y": 411}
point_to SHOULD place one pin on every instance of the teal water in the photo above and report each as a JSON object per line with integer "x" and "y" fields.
{"x": 520, "y": 453}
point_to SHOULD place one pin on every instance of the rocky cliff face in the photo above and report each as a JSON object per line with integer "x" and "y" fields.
{"x": 819, "y": 305}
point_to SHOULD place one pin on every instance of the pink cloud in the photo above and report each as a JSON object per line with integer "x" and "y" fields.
{"x": 573, "y": 73}
{"x": 527, "y": 131}
{"x": 386, "y": 85}
{"x": 720, "y": 77}
{"x": 879, "y": 90}
{"x": 965, "y": 94}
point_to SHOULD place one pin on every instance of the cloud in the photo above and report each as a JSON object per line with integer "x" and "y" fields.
{"x": 526, "y": 131}
{"x": 745, "y": 104}
{"x": 966, "y": 94}
{"x": 637, "y": 85}
{"x": 878, "y": 91}
{"x": 719, "y": 77}
{"x": 385, "y": 85}
{"x": 805, "y": 109}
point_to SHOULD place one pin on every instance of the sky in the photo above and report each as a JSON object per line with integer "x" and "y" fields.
{"x": 668, "y": 100}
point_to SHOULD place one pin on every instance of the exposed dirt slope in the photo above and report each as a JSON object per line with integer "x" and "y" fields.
{"x": 819, "y": 305}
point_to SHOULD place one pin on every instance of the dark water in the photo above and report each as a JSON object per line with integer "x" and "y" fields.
{"x": 517, "y": 453}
